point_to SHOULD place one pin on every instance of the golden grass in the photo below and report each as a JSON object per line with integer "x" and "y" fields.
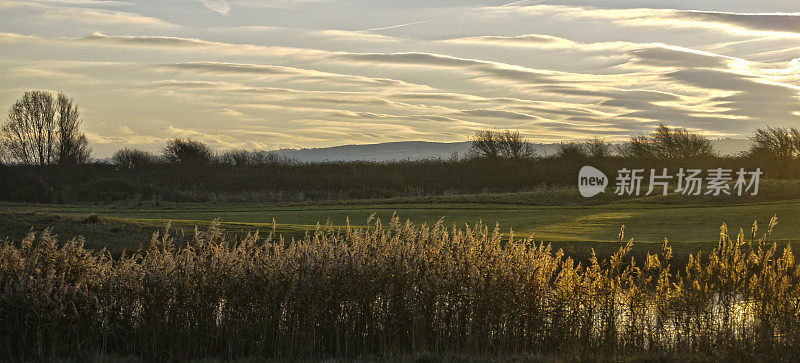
{"x": 393, "y": 290}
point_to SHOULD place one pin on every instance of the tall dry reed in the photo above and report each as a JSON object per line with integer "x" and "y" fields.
{"x": 392, "y": 289}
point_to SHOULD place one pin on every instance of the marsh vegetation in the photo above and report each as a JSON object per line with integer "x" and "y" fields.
{"x": 394, "y": 289}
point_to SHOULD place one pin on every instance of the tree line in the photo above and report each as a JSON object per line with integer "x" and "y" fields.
{"x": 43, "y": 129}
{"x": 41, "y": 134}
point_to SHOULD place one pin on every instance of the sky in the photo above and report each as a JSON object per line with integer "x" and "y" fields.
{"x": 269, "y": 74}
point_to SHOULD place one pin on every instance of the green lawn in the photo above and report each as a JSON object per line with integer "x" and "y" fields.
{"x": 645, "y": 222}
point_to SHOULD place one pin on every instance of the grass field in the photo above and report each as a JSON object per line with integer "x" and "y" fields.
{"x": 572, "y": 227}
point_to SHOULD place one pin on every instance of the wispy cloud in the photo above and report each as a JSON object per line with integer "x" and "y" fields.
{"x": 79, "y": 12}
{"x": 219, "y": 6}
{"x": 291, "y": 73}
{"x": 303, "y": 74}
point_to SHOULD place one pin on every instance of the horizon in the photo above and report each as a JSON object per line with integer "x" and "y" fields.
{"x": 432, "y": 150}
{"x": 294, "y": 74}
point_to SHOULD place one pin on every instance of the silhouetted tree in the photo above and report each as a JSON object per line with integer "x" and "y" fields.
{"x": 668, "y": 144}
{"x": 776, "y": 143}
{"x": 243, "y": 158}
{"x": 778, "y": 147}
{"x": 495, "y": 144}
{"x": 188, "y": 152}
{"x": 485, "y": 143}
{"x": 73, "y": 148}
{"x": 572, "y": 151}
{"x": 638, "y": 148}
{"x": 41, "y": 131}
{"x": 597, "y": 148}
{"x": 240, "y": 158}
{"x": 28, "y": 136}
{"x": 514, "y": 146}
{"x": 676, "y": 143}
{"x": 133, "y": 158}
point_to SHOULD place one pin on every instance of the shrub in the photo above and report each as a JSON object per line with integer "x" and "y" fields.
{"x": 776, "y": 142}
{"x": 571, "y": 151}
{"x": 188, "y": 152}
{"x": 668, "y": 144}
{"x": 133, "y": 159}
{"x": 597, "y": 148}
{"x": 244, "y": 158}
{"x": 507, "y": 144}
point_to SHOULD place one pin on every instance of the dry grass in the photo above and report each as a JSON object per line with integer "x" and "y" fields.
{"x": 396, "y": 290}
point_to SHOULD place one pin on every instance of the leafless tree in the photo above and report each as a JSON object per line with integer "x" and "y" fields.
{"x": 133, "y": 158}
{"x": 679, "y": 144}
{"x": 668, "y": 144}
{"x": 776, "y": 143}
{"x": 72, "y": 144}
{"x": 638, "y": 147}
{"x": 598, "y": 148}
{"x": 495, "y": 144}
{"x": 188, "y": 152}
{"x": 571, "y": 151}
{"x": 40, "y": 131}
{"x": 514, "y": 146}
{"x": 28, "y": 136}
{"x": 485, "y": 143}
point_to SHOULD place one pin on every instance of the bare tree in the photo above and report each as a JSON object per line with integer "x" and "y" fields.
{"x": 72, "y": 144}
{"x": 679, "y": 144}
{"x": 668, "y": 144}
{"x": 41, "y": 131}
{"x": 571, "y": 151}
{"x": 188, "y": 152}
{"x": 133, "y": 158}
{"x": 238, "y": 157}
{"x": 485, "y": 143}
{"x": 776, "y": 143}
{"x": 796, "y": 140}
{"x": 513, "y": 145}
{"x": 598, "y": 148}
{"x": 638, "y": 147}
{"x": 28, "y": 136}
{"x": 495, "y": 144}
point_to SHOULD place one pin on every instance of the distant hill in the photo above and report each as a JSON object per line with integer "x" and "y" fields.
{"x": 731, "y": 146}
{"x": 404, "y": 150}
{"x": 419, "y": 150}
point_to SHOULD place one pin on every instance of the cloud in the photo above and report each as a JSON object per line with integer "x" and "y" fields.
{"x": 424, "y": 59}
{"x": 232, "y": 68}
{"x": 12, "y": 37}
{"x": 667, "y": 56}
{"x": 486, "y": 70}
{"x": 362, "y": 36}
{"x": 510, "y": 115}
{"x": 99, "y": 16}
{"x": 746, "y": 95}
{"x": 294, "y": 74}
{"x": 554, "y": 72}
{"x": 219, "y": 6}
{"x": 784, "y": 23}
{"x": 171, "y": 43}
{"x": 85, "y": 2}
{"x": 156, "y": 41}
{"x": 772, "y": 22}
{"x": 528, "y": 40}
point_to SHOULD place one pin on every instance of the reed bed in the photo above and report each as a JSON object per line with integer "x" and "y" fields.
{"x": 393, "y": 290}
